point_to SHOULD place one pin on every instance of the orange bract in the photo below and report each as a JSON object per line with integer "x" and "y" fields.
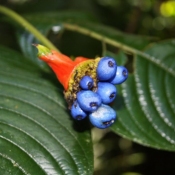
{"x": 61, "y": 64}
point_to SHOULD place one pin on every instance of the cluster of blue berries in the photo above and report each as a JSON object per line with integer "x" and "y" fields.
{"x": 95, "y": 103}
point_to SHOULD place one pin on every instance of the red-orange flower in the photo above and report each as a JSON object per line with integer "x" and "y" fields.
{"x": 61, "y": 64}
{"x": 68, "y": 72}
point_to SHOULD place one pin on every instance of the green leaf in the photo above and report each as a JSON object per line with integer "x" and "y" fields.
{"x": 147, "y": 114}
{"x": 37, "y": 134}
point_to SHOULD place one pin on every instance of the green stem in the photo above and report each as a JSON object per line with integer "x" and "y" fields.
{"x": 29, "y": 27}
{"x": 85, "y": 31}
{"x": 74, "y": 27}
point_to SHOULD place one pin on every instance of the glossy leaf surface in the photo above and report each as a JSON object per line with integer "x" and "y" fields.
{"x": 37, "y": 134}
{"x": 148, "y": 116}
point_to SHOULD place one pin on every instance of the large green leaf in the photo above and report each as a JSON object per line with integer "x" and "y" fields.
{"x": 148, "y": 116}
{"x": 145, "y": 103}
{"x": 37, "y": 134}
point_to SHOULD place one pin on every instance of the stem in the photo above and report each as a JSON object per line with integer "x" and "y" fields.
{"x": 29, "y": 27}
{"x": 103, "y": 48}
{"x": 74, "y": 27}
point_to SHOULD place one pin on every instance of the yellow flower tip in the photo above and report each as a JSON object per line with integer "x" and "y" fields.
{"x": 42, "y": 50}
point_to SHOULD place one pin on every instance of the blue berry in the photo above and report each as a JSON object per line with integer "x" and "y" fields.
{"x": 103, "y": 117}
{"x": 107, "y": 92}
{"x": 120, "y": 76}
{"x": 86, "y": 82}
{"x": 89, "y": 101}
{"x": 76, "y": 112}
{"x": 106, "y": 68}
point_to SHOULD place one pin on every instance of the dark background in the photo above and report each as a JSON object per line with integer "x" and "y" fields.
{"x": 113, "y": 155}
